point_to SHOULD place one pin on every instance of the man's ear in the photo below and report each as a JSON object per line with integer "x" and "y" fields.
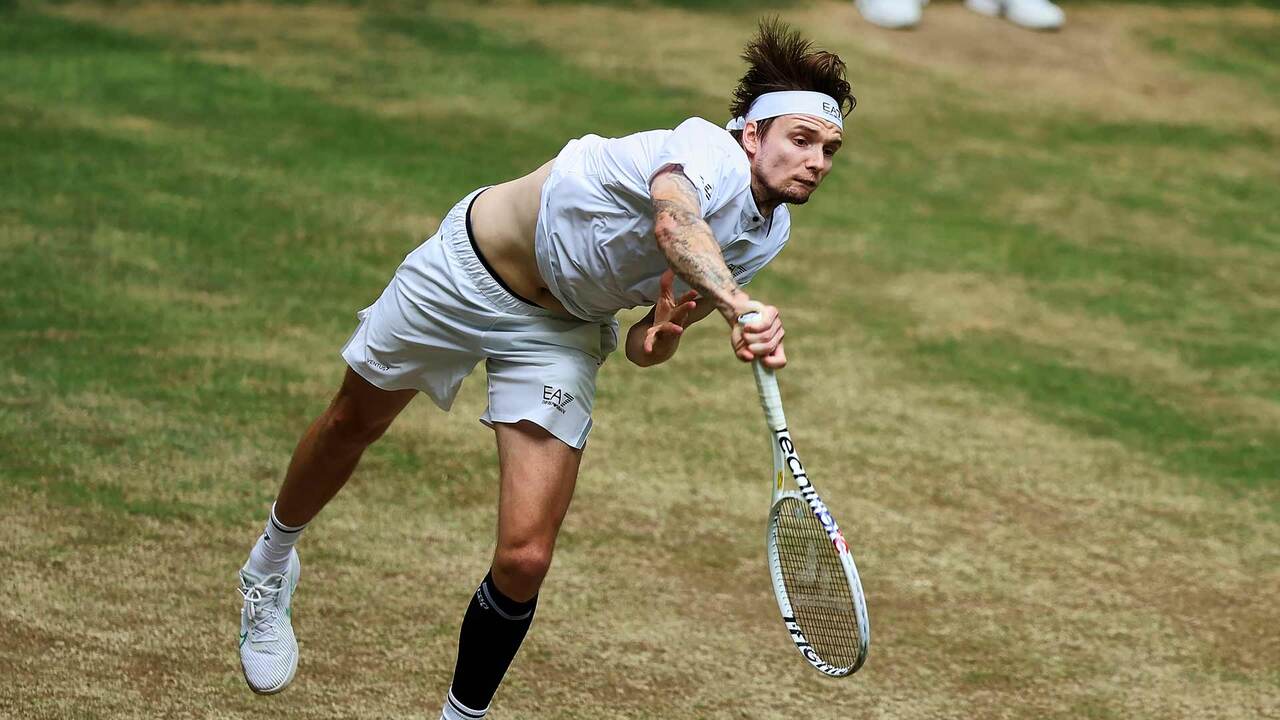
{"x": 751, "y": 137}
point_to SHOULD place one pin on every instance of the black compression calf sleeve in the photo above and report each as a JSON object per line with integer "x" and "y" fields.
{"x": 492, "y": 631}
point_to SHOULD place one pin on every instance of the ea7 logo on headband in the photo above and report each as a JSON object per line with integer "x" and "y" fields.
{"x": 831, "y": 110}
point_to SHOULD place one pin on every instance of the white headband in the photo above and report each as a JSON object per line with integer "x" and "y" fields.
{"x": 791, "y": 102}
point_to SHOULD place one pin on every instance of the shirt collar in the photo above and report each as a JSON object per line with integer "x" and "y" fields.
{"x": 752, "y": 218}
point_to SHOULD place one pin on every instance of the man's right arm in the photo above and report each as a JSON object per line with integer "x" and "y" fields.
{"x": 689, "y": 245}
{"x": 694, "y": 255}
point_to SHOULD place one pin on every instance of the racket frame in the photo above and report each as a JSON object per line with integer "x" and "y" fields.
{"x": 787, "y": 461}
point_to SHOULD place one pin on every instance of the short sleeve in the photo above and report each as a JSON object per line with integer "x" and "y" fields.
{"x": 712, "y": 160}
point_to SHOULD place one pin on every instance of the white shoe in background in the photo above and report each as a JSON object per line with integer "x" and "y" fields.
{"x": 1030, "y": 14}
{"x": 892, "y": 14}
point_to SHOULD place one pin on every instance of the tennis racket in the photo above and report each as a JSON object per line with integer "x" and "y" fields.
{"x": 814, "y": 578}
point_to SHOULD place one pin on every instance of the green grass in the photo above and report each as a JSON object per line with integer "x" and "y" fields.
{"x": 1162, "y": 292}
{"x": 222, "y": 217}
{"x": 722, "y": 6}
{"x": 1246, "y": 53}
{"x": 1111, "y": 406}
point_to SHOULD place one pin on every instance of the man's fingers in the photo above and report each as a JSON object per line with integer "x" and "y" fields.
{"x": 777, "y": 359}
{"x": 765, "y": 343}
{"x": 665, "y": 328}
{"x": 768, "y": 318}
{"x": 739, "y": 343}
{"x": 665, "y": 282}
{"x": 679, "y": 314}
{"x": 764, "y": 335}
{"x": 691, "y": 295}
{"x": 762, "y": 339}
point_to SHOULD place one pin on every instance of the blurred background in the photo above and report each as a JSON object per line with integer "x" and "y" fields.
{"x": 1033, "y": 321}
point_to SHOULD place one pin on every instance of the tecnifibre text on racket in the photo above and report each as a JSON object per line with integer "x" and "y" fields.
{"x": 814, "y": 578}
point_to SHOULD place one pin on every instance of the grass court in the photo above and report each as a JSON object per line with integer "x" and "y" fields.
{"x": 1033, "y": 322}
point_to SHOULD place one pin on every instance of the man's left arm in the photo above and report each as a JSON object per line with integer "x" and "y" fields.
{"x": 655, "y": 338}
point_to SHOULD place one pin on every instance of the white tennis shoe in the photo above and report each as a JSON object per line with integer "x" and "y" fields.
{"x": 1030, "y": 14}
{"x": 268, "y": 648}
{"x": 892, "y": 14}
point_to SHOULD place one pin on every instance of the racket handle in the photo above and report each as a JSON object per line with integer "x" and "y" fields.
{"x": 766, "y": 386}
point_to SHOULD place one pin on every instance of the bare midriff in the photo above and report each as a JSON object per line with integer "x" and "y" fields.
{"x": 504, "y": 219}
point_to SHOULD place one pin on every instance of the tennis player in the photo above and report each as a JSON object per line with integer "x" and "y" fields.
{"x": 528, "y": 275}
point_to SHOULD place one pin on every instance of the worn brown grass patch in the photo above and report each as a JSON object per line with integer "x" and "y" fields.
{"x": 1099, "y": 63}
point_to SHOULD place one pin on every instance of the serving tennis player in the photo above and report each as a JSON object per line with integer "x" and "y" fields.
{"x": 527, "y": 275}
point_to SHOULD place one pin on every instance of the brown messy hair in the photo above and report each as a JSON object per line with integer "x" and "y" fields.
{"x": 779, "y": 58}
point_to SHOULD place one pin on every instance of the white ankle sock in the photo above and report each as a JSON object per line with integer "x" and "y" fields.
{"x": 271, "y": 553}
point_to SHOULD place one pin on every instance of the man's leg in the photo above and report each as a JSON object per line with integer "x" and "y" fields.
{"x": 538, "y": 472}
{"x": 331, "y": 447}
{"x": 323, "y": 461}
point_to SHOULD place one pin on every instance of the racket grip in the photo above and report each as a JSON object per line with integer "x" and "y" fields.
{"x": 767, "y": 386}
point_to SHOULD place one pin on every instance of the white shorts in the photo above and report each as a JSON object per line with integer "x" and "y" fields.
{"x": 443, "y": 311}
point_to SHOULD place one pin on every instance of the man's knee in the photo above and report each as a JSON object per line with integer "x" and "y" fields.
{"x": 344, "y": 422}
{"x": 360, "y": 413}
{"x": 524, "y": 565}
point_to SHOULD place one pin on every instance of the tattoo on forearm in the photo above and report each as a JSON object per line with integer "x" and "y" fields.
{"x": 689, "y": 245}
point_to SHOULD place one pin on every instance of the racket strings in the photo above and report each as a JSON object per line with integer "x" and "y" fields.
{"x": 816, "y": 585}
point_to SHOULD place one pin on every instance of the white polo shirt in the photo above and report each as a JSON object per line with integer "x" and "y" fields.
{"x": 595, "y": 245}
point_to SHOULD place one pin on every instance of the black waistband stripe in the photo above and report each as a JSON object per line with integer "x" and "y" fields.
{"x": 487, "y": 267}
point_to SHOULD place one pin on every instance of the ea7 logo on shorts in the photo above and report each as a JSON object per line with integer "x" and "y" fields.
{"x": 555, "y": 397}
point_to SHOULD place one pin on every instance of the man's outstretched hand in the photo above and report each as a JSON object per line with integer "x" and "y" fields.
{"x": 669, "y": 316}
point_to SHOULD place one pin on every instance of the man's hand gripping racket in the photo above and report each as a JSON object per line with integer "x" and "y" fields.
{"x": 814, "y": 578}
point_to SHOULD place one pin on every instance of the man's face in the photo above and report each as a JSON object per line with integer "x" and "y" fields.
{"x": 791, "y": 159}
